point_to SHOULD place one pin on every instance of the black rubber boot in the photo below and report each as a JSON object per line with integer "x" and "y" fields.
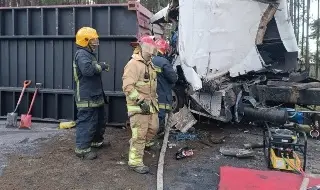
{"x": 140, "y": 169}
{"x": 90, "y": 155}
{"x": 155, "y": 146}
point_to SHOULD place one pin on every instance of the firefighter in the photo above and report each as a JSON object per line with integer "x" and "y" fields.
{"x": 140, "y": 87}
{"x": 167, "y": 78}
{"x": 89, "y": 95}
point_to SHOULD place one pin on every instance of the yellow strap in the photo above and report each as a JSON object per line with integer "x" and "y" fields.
{"x": 142, "y": 83}
{"x": 158, "y": 69}
{"x": 89, "y": 104}
{"x": 165, "y": 106}
{"x": 133, "y": 94}
{"x": 134, "y": 109}
{"x": 76, "y": 79}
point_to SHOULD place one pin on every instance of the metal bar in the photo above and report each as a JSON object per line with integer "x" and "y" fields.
{"x": 52, "y": 54}
{"x": 9, "y": 61}
{"x": 57, "y": 21}
{"x": 14, "y": 101}
{"x": 91, "y": 17}
{"x": 69, "y": 6}
{"x": 125, "y": 37}
{"x": 1, "y": 23}
{"x": 27, "y": 102}
{"x": 0, "y": 102}
{"x": 109, "y": 20}
{"x": 42, "y": 103}
{"x": 44, "y": 90}
{"x": 28, "y": 22}
{"x": 57, "y": 91}
{"x": 42, "y": 23}
{"x": 56, "y": 106}
{"x": 13, "y": 22}
{"x": 74, "y": 20}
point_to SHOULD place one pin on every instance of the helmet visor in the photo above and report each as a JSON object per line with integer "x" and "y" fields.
{"x": 149, "y": 48}
{"x": 94, "y": 42}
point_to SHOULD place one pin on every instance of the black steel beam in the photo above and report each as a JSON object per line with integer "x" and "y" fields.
{"x": 112, "y": 37}
{"x": 285, "y": 94}
{"x": 56, "y": 91}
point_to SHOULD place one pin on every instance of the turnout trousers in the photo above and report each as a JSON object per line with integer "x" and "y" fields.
{"x": 143, "y": 128}
{"x": 90, "y": 127}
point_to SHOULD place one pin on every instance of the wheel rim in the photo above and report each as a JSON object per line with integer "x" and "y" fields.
{"x": 174, "y": 100}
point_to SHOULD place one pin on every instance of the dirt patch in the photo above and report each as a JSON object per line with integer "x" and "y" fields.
{"x": 56, "y": 167}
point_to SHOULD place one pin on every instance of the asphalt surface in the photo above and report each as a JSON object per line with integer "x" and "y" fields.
{"x": 44, "y": 158}
{"x": 13, "y": 141}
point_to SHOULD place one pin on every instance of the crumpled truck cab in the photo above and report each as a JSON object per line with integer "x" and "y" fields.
{"x": 228, "y": 51}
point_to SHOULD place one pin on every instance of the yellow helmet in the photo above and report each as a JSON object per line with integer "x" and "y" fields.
{"x": 84, "y": 35}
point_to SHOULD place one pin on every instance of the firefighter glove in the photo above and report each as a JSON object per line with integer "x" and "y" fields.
{"x": 104, "y": 66}
{"x": 145, "y": 106}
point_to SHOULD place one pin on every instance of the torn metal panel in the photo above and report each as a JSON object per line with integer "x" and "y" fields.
{"x": 161, "y": 16}
{"x": 183, "y": 120}
{"x": 209, "y": 102}
{"x": 265, "y": 19}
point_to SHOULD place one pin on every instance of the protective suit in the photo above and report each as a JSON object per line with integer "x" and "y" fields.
{"x": 140, "y": 85}
{"x": 89, "y": 95}
{"x": 166, "y": 78}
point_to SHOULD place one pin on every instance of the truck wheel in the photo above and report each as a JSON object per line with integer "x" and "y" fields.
{"x": 179, "y": 98}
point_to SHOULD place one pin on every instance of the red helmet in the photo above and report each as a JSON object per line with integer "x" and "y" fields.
{"x": 145, "y": 39}
{"x": 162, "y": 45}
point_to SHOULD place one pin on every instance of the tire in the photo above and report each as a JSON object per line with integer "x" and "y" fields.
{"x": 179, "y": 98}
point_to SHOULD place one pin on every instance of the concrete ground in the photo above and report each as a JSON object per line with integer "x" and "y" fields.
{"x": 43, "y": 159}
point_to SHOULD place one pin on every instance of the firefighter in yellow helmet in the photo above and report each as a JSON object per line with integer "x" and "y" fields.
{"x": 89, "y": 94}
{"x": 140, "y": 87}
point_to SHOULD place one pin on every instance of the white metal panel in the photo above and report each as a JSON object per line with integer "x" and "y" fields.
{"x": 285, "y": 27}
{"x": 218, "y": 35}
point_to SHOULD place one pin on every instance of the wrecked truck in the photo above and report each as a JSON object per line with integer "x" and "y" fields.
{"x": 237, "y": 59}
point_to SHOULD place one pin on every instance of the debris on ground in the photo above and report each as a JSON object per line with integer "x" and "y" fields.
{"x": 217, "y": 139}
{"x": 184, "y": 152}
{"x": 67, "y": 125}
{"x": 236, "y": 152}
{"x": 171, "y": 145}
{"x": 253, "y": 145}
{"x": 184, "y": 136}
{"x": 183, "y": 120}
{"x": 56, "y": 167}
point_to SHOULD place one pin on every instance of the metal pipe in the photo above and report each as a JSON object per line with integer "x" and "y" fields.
{"x": 265, "y": 114}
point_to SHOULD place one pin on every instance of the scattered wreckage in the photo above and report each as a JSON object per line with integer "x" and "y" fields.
{"x": 238, "y": 60}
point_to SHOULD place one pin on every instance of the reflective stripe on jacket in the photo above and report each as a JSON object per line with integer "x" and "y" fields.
{"x": 137, "y": 85}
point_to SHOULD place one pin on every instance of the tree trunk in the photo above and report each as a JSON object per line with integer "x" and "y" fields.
{"x": 295, "y": 16}
{"x": 307, "y": 39}
{"x": 317, "y": 52}
{"x": 298, "y": 20}
{"x": 303, "y": 24}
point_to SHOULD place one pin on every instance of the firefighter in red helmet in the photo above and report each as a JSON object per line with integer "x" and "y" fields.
{"x": 166, "y": 78}
{"x": 140, "y": 87}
